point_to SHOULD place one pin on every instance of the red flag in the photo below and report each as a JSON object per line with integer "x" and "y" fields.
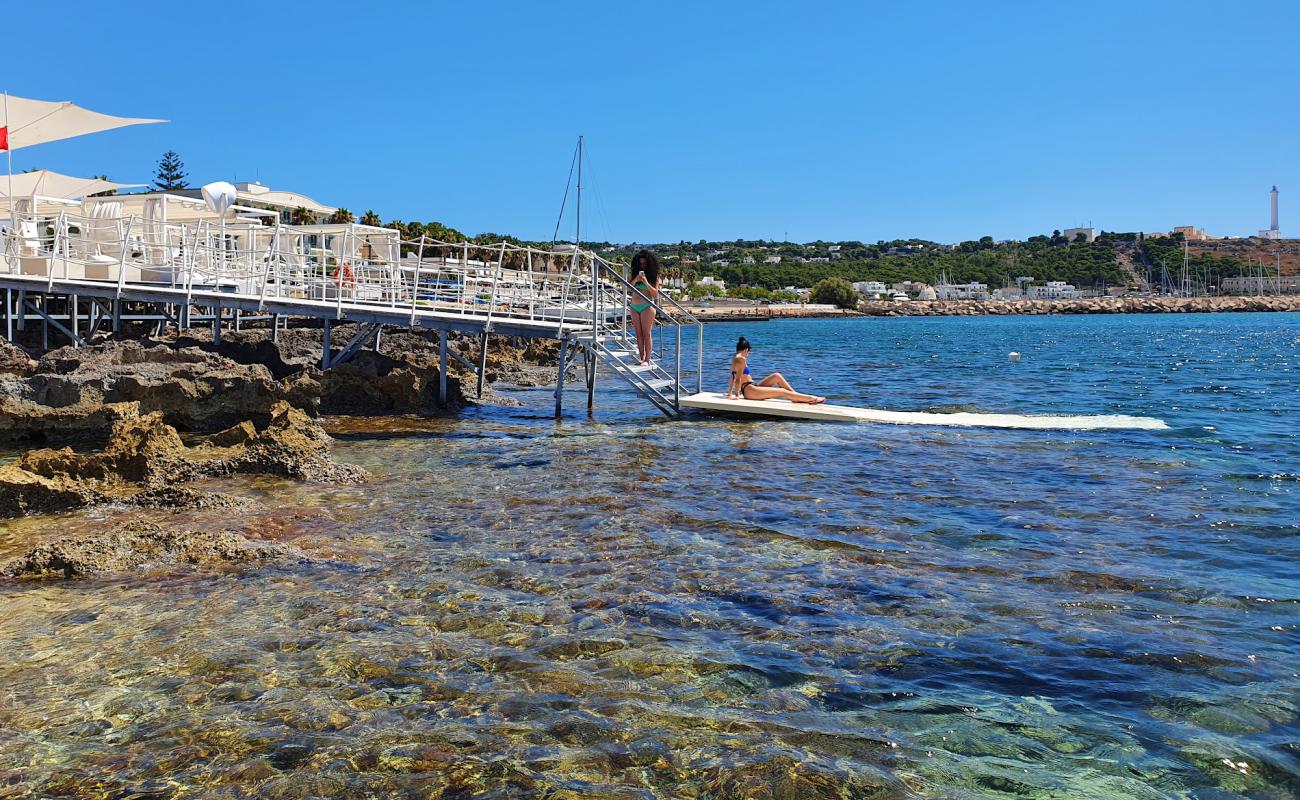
{"x": 4, "y": 138}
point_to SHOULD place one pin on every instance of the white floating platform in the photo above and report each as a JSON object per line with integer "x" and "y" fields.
{"x": 825, "y": 412}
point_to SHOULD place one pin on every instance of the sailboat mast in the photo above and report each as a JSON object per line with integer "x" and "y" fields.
{"x": 577, "y": 230}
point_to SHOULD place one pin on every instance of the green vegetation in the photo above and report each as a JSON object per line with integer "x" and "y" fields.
{"x": 342, "y": 217}
{"x": 834, "y": 291}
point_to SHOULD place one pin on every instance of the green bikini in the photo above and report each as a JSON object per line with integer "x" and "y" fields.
{"x": 637, "y": 308}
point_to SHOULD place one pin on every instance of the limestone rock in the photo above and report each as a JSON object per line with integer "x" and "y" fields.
{"x": 14, "y": 360}
{"x": 23, "y": 492}
{"x": 135, "y": 545}
{"x": 295, "y": 446}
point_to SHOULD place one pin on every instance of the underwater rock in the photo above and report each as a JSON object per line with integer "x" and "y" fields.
{"x": 179, "y": 497}
{"x": 136, "y": 545}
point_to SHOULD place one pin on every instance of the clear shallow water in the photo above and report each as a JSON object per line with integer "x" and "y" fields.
{"x": 631, "y": 607}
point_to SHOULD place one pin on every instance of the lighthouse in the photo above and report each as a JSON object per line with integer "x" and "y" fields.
{"x": 1272, "y": 232}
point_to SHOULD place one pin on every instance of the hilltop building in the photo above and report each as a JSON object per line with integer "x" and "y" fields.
{"x": 1190, "y": 232}
{"x": 1082, "y": 234}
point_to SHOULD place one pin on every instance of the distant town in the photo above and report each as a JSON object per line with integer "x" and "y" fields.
{"x": 1071, "y": 263}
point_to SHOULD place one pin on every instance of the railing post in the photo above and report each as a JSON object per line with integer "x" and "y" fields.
{"x": 121, "y": 260}
{"x": 270, "y": 258}
{"x": 677, "y": 376}
{"x": 415, "y": 279}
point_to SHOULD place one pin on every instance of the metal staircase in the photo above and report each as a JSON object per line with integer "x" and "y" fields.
{"x": 610, "y": 340}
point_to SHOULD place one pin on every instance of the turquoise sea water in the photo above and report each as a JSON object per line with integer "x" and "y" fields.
{"x": 631, "y": 607}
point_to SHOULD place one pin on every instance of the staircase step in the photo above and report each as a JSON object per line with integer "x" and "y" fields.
{"x": 660, "y": 383}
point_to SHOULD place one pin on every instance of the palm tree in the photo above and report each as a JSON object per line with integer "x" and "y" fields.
{"x": 301, "y": 216}
{"x": 371, "y": 218}
{"x": 342, "y": 217}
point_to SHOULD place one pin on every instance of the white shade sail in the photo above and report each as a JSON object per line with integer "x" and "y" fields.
{"x": 38, "y": 121}
{"x": 43, "y": 183}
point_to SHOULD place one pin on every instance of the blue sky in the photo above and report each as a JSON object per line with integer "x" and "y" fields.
{"x": 719, "y": 120}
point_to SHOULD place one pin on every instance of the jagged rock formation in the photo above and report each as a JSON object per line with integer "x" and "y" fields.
{"x": 85, "y": 391}
{"x": 14, "y": 360}
{"x": 146, "y": 452}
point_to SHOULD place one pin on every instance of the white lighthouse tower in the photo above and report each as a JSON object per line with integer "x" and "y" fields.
{"x": 1272, "y": 232}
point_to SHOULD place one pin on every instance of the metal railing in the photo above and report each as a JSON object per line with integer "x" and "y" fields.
{"x": 566, "y": 293}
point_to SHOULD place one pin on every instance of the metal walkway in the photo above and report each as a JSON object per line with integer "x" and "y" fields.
{"x": 76, "y": 274}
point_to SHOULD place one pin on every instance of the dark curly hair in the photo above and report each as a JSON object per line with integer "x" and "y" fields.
{"x": 647, "y": 262}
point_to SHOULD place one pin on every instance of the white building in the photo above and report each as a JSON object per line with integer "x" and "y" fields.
{"x": 962, "y": 291}
{"x": 709, "y": 280}
{"x": 1084, "y": 234}
{"x": 819, "y": 260}
{"x": 1054, "y": 290}
{"x": 1285, "y": 284}
{"x": 748, "y": 260}
{"x": 870, "y": 288}
{"x": 1008, "y": 293}
{"x": 772, "y": 260}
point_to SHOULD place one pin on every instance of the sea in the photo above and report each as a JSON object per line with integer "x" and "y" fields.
{"x": 622, "y": 605}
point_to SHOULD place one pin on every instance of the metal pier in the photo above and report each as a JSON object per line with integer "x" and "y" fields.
{"x": 65, "y": 274}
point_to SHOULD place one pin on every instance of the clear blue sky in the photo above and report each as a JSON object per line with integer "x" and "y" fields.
{"x": 718, "y": 120}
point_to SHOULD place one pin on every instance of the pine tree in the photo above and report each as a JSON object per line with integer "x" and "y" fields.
{"x": 171, "y": 173}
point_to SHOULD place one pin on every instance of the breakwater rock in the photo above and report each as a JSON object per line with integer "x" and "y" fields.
{"x": 145, "y": 453}
{"x": 1093, "y": 305}
{"x": 138, "y": 544}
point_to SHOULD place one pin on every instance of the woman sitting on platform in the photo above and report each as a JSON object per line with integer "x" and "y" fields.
{"x": 774, "y": 386}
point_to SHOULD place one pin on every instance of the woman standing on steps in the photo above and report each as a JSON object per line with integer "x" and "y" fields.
{"x": 645, "y": 279}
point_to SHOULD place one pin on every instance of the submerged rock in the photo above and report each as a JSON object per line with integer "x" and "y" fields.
{"x": 135, "y": 545}
{"x": 179, "y": 497}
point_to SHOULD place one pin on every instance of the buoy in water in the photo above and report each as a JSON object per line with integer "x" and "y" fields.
{"x": 1013, "y": 357}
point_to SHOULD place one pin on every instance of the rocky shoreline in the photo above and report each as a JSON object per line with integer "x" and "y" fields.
{"x": 1095, "y": 305}
{"x": 133, "y": 420}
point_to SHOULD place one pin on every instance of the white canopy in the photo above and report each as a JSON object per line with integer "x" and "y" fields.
{"x": 43, "y": 183}
{"x": 37, "y": 121}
